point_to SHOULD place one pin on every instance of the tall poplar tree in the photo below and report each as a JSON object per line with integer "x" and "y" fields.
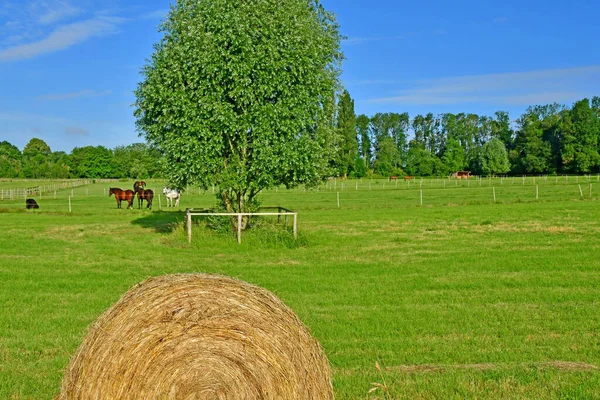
{"x": 346, "y": 124}
{"x": 363, "y": 134}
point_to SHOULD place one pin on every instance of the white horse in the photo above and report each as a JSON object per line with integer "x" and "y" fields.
{"x": 172, "y": 194}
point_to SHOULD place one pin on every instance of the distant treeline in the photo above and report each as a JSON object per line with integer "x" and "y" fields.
{"x": 37, "y": 161}
{"x": 549, "y": 139}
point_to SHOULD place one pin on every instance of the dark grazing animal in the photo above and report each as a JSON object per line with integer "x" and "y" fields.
{"x": 145, "y": 194}
{"x": 121, "y": 195}
{"x": 31, "y": 203}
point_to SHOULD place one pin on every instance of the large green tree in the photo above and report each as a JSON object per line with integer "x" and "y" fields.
{"x": 493, "y": 158}
{"x": 391, "y": 125}
{"x": 138, "y": 161}
{"x": 10, "y": 160}
{"x": 580, "y": 128}
{"x": 427, "y": 132}
{"x": 453, "y": 157}
{"x": 36, "y": 146}
{"x": 388, "y": 160}
{"x": 92, "y": 162}
{"x": 241, "y": 94}
{"x": 420, "y": 161}
{"x": 532, "y": 154}
{"x": 36, "y": 159}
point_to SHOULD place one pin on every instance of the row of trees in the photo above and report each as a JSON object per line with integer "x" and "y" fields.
{"x": 544, "y": 140}
{"x": 37, "y": 161}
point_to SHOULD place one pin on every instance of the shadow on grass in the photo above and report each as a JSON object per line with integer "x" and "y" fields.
{"x": 160, "y": 221}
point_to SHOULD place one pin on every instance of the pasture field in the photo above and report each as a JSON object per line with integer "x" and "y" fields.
{"x": 459, "y": 298}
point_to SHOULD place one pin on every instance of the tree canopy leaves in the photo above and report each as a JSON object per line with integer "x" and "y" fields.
{"x": 242, "y": 94}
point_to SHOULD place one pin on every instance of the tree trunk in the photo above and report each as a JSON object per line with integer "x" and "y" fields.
{"x": 236, "y": 202}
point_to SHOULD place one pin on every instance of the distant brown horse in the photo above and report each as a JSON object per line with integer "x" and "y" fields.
{"x": 121, "y": 195}
{"x": 147, "y": 195}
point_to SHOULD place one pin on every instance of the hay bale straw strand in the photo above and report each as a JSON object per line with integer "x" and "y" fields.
{"x": 198, "y": 336}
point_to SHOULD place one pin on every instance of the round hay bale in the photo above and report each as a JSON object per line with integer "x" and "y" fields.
{"x": 198, "y": 336}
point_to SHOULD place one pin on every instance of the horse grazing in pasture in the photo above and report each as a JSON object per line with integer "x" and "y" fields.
{"x": 145, "y": 194}
{"x": 172, "y": 194}
{"x": 393, "y": 178}
{"x": 121, "y": 195}
{"x": 31, "y": 203}
{"x": 408, "y": 178}
{"x": 139, "y": 185}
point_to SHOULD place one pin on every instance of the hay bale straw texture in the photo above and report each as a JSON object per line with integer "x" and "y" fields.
{"x": 198, "y": 336}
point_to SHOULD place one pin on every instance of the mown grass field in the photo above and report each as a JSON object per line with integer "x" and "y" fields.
{"x": 459, "y": 298}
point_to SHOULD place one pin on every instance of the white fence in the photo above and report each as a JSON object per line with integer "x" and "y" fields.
{"x": 189, "y": 212}
{"x": 33, "y": 191}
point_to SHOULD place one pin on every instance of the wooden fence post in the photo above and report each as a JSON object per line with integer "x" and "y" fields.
{"x": 239, "y": 229}
{"x": 189, "y": 225}
{"x": 295, "y": 229}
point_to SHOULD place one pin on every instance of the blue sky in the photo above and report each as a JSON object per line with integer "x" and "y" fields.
{"x": 68, "y": 67}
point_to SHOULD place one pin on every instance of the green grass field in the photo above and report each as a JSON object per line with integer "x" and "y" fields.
{"x": 458, "y": 298}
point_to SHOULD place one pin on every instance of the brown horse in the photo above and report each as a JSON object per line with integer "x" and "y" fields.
{"x": 139, "y": 185}
{"x": 147, "y": 195}
{"x": 121, "y": 195}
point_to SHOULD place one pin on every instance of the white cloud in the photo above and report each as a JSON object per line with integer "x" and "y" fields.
{"x": 515, "y": 88}
{"x": 63, "y": 37}
{"x": 51, "y": 12}
{"x": 73, "y": 95}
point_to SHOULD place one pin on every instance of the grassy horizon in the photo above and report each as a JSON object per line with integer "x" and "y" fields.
{"x": 459, "y": 298}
